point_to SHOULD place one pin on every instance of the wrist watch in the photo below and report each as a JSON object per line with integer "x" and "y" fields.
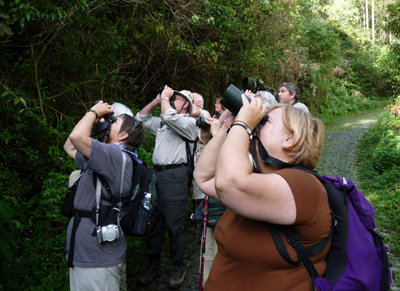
{"x": 164, "y": 98}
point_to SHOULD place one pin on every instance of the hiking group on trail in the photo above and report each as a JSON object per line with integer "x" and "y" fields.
{"x": 270, "y": 221}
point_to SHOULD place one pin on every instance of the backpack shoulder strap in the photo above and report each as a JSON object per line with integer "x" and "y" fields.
{"x": 189, "y": 153}
{"x": 292, "y": 238}
{"x": 190, "y": 157}
{"x": 141, "y": 177}
{"x": 301, "y": 252}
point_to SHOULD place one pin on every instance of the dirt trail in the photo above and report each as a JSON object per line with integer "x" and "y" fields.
{"x": 341, "y": 139}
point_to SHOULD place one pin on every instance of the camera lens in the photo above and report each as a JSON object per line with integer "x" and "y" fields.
{"x": 111, "y": 233}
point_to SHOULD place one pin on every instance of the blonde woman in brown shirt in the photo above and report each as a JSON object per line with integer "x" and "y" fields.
{"x": 247, "y": 258}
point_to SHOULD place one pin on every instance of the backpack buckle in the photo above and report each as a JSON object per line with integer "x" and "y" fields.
{"x": 292, "y": 239}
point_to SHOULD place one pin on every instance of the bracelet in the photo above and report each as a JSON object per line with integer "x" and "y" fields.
{"x": 237, "y": 120}
{"x": 165, "y": 98}
{"x": 241, "y": 125}
{"x": 94, "y": 111}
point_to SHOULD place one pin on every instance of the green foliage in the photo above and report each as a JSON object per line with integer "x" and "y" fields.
{"x": 393, "y": 27}
{"x": 380, "y": 152}
{"x": 5, "y": 250}
{"x": 37, "y": 242}
{"x": 321, "y": 40}
{"x": 379, "y": 161}
{"x": 367, "y": 77}
{"x": 346, "y": 13}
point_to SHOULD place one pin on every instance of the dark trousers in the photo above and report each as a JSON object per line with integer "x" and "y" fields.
{"x": 172, "y": 188}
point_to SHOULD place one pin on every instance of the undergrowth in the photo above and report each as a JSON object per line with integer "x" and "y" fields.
{"x": 379, "y": 163}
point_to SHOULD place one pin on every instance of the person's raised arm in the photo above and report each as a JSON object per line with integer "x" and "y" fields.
{"x": 205, "y": 135}
{"x": 149, "y": 108}
{"x": 224, "y": 116}
{"x": 80, "y": 135}
{"x": 265, "y": 197}
{"x": 69, "y": 148}
{"x": 164, "y": 99}
{"x": 204, "y": 171}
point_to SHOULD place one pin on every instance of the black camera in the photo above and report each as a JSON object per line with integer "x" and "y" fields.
{"x": 201, "y": 122}
{"x": 232, "y": 100}
{"x": 255, "y": 84}
{"x": 103, "y": 128}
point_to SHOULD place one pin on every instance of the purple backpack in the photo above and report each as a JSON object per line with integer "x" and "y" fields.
{"x": 357, "y": 258}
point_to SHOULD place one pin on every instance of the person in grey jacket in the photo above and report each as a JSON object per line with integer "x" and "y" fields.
{"x": 171, "y": 169}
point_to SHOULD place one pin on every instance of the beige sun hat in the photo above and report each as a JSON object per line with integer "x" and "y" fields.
{"x": 189, "y": 97}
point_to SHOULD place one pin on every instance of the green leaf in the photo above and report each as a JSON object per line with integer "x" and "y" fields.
{"x": 14, "y": 200}
{"x": 1, "y": 2}
{"x": 5, "y": 29}
{"x": 6, "y": 212}
{"x": 22, "y": 101}
{"x": 16, "y": 101}
{"x": 5, "y": 249}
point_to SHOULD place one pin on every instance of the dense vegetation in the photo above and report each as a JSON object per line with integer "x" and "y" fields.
{"x": 379, "y": 159}
{"x": 58, "y": 57}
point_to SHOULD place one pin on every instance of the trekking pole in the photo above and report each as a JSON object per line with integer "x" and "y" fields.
{"x": 203, "y": 244}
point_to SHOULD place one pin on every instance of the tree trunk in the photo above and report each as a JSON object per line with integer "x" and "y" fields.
{"x": 366, "y": 14}
{"x": 363, "y": 17}
{"x": 373, "y": 21}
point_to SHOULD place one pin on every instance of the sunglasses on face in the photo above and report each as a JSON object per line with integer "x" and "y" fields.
{"x": 174, "y": 98}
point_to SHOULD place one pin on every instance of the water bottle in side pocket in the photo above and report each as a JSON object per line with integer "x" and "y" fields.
{"x": 143, "y": 215}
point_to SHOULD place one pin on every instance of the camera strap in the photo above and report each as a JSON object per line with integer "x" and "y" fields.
{"x": 266, "y": 158}
{"x": 98, "y": 200}
{"x": 121, "y": 188}
{"x": 98, "y": 193}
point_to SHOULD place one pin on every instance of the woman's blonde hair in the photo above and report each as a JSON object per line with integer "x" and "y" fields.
{"x": 308, "y": 136}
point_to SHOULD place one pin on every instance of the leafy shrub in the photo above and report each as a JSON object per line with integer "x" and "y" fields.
{"x": 380, "y": 155}
{"x": 368, "y": 77}
{"x": 37, "y": 242}
{"x": 379, "y": 163}
{"x": 321, "y": 41}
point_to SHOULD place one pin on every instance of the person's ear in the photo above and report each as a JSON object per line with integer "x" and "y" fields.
{"x": 123, "y": 135}
{"x": 288, "y": 141}
{"x": 186, "y": 105}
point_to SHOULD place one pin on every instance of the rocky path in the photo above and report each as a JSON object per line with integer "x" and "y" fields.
{"x": 341, "y": 139}
{"x": 338, "y": 160}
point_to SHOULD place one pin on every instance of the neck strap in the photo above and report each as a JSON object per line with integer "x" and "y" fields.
{"x": 266, "y": 158}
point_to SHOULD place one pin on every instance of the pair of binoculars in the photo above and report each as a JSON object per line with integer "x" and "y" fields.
{"x": 232, "y": 100}
{"x": 101, "y": 129}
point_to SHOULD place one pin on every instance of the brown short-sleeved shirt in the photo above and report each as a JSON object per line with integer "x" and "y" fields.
{"x": 247, "y": 258}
